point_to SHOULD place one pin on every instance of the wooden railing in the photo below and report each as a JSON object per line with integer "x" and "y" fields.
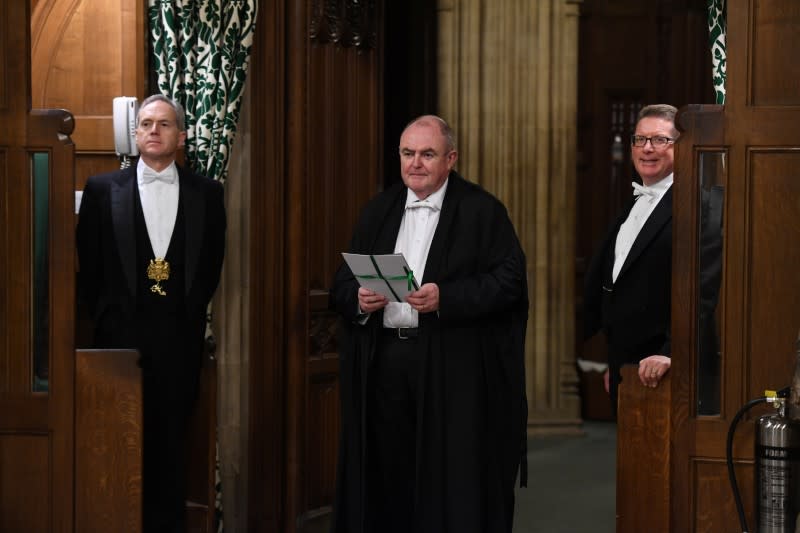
{"x": 643, "y": 455}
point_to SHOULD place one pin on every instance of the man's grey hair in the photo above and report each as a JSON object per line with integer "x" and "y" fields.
{"x": 180, "y": 115}
{"x": 662, "y": 111}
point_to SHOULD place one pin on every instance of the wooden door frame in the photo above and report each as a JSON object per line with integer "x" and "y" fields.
{"x": 48, "y": 415}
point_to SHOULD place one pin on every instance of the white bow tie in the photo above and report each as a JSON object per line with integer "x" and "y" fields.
{"x": 422, "y": 203}
{"x": 642, "y": 190}
{"x": 149, "y": 175}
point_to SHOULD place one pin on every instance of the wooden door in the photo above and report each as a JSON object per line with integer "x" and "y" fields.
{"x": 750, "y": 148}
{"x": 317, "y": 139}
{"x": 36, "y": 296}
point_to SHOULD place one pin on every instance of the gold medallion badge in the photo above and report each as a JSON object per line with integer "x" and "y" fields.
{"x": 158, "y": 271}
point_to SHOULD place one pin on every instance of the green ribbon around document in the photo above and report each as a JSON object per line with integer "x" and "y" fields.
{"x": 409, "y": 275}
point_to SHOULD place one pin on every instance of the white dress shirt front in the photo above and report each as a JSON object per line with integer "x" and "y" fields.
{"x": 158, "y": 192}
{"x": 414, "y": 241}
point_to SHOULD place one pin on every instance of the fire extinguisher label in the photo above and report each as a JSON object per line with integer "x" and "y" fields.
{"x": 776, "y": 475}
{"x": 782, "y": 454}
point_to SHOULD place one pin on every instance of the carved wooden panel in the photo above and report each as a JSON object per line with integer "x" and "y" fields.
{"x": 344, "y": 22}
{"x": 772, "y": 258}
{"x": 319, "y": 149}
{"x": 343, "y": 169}
{"x": 25, "y": 496}
{"x": 16, "y": 269}
{"x": 715, "y": 509}
{"x": 5, "y": 57}
{"x": 774, "y": 70}
{"x": 5, "y": 378}
{"x": 343, "y": 142}
{"x": 323, "y": 432}
{"x": 322, "y": 330}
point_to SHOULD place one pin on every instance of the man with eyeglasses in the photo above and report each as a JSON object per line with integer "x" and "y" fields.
{"x": 628, "y": 284}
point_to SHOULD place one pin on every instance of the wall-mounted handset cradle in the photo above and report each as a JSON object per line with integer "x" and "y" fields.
{"x": 125, "y": 110}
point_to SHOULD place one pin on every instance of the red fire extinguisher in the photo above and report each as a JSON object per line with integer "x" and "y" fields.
{"x": 777, "y": 467}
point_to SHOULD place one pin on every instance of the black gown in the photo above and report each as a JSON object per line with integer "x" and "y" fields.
{"x": 472, "y": 425}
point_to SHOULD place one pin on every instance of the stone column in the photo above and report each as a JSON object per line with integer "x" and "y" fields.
{"x": 508, "y": 86}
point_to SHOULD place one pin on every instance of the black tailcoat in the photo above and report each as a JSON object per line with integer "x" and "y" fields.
{"x": 472, "y": 405}
{"x": 635, "y": 310}
{"x": 114, "y": 251}
{"x": 106, "y": 239}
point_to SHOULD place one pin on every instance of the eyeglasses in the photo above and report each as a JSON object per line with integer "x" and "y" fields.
{"x": 659, "y": 142}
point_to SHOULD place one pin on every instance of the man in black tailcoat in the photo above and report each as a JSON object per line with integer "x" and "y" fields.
{"x": 629, "y": 281}
{"x": 433, "y": 388}
{"x": 151, "y": 240}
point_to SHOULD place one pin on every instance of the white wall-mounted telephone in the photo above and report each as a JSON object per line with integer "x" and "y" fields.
{"x": 125, "y": 109}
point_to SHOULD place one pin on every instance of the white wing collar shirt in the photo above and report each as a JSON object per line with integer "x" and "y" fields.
{"x": 420, "y": 219}
{"x": 647, "y": 198}
{"x": 159, "y": 194}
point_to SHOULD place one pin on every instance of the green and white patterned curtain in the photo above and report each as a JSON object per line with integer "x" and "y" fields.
{"x": 201, "y": 50}
{"x": 717, "y": 28}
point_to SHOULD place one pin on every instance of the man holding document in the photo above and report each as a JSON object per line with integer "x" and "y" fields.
{"x": 432, "y": 375}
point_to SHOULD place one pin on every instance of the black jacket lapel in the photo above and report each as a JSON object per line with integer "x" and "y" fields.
{"x": 657, "y": 219}
{"x": 455, "y": 188}
{"x": 386, "y": 237}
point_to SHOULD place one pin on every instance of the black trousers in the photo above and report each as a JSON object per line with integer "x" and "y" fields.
{"x": 164, "y": 463}
{"x": 169, "y": 388}
{"x": 392, "y": 435}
